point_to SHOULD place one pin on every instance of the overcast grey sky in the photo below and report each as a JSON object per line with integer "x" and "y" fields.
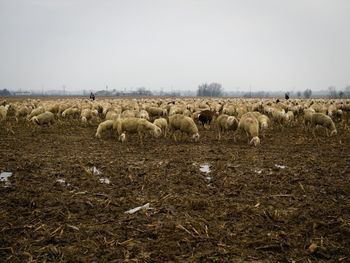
{"x": 179, "y": 44}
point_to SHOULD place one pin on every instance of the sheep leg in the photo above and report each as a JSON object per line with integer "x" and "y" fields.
{"x": 313, "y": 132}
{"x": 219, "y": 135}
{"x": 140, "y": 137}
{"x": 174, "y": 137}
{"x": 247, "y": 136}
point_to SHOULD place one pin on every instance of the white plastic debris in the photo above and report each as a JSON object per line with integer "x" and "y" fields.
{"x": 258, "y": 171}
{"x": 62, "y": 181}
{"x": 73, "y": 227}
{"x": 280, "y": 166}
{"x": 105, "y": 180}
{"x": 208, "y": 178}
{"x": 95, "y": 171}
{"x": 4, "y": 177}
{"x": 134, "y": 210}
{"x": 204, "y": 168}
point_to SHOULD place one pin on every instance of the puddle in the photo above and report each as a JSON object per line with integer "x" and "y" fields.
{"x": 204, "y": 168}
{"x": 280, "y": 166}
{"x": 4, "y": 177}
{"x": 105, "y": 180}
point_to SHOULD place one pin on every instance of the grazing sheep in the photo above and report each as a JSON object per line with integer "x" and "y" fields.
{"x": 195, "y": 116}
{"x": 251, "y": 126}
{"x": 129, "y": 114}
{"x": 136, "y": 125}
{"x": 88, "y": 115}
{"x": 279, "y": 117}
{"x": 112, "y": 115}
{"x": 53, "y": 108}
{"x": 229, "y": 110}
{"x": 206, "y": 116}
{"x": 71, "y": 113}
{"x": 184, "y": 124}
{"x": 104, "y": 126}
{"x": 325, "y": 121}
{"x": 35, "y": 112}
{"x": 143, "y": 114}
{"x": 3, "y": 112}
{"x": 226, "y": 123}
{"x": 44, "y": 118}
{"x": 307, "y": 117}
{"x": 22, "y": 112}
{"x": 156, "y": 112}
{"x": 162, "y": 124}
{"x": 263, "y": 123}
{"x": 290, "y": 118}
{"x": 338, "y": 115}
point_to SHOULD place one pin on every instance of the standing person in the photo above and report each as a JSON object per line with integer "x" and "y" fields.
{"x": 92, "y": 96}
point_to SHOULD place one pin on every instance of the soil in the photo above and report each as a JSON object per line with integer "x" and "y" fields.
{"x": 287, "y": 200}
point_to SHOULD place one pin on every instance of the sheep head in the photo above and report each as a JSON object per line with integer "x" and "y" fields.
{"x": 195, "y": 137}
{"x": 122, "y": 137}
{"x": 333, "y": 132}
{"x": 255, "y": 140}
{"x": 264, "y": 125}
{"x": 35, "y": 120}
{"x": 157, "y": 132}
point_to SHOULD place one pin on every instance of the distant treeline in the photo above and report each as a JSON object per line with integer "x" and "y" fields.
{"x": 203, "y": 90}
{"x": 5, "y": 92}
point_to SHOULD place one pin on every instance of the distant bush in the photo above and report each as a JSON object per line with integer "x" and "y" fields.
{"x": 5, "y": 92}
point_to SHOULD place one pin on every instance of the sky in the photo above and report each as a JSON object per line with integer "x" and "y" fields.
{"x": 174, "y": 45}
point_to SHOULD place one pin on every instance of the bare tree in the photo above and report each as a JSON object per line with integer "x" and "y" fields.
{"x": 332, "y": 91}
{"x": 210, "y": 90}
{"x": 307, "y": 93}
{"x": 347, "y": 91}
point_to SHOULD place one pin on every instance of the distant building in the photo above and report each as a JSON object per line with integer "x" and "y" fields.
{"x": 22, "y": 93}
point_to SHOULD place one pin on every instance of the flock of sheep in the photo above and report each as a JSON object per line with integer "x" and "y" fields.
{"x": 166, "y": 117}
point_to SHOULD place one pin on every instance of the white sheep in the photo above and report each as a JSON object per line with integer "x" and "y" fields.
{"x": 250, "y": 125}
{"x": 71, "y": 113}
{"x": 22, "y": 112}
{"x": 308, "y": 117}
{"x": 325, "y": 121}
{"x": 35, "y": 112}
{"x": 226, "y": 123}
{"x": 129, "y": 113}
{"x": 135, "y": 125}
{"x": 112, "y": 115}
{"x": 88, "y": 115}
{"x": 104, "y": 126}
{"x": 290, "y": 118}
{"x": 279, "y": 116}
{"x": 143, "y": 114}
{"x": 263, "y": 123}
{"x": 162, "y": 124}
{"x": 184, "y": 124}
{"x": 44, "y": 118}
{"x": 3, "y": 112}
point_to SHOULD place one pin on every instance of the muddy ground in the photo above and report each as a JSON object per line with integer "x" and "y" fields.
{"x": 265, "y": 204}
